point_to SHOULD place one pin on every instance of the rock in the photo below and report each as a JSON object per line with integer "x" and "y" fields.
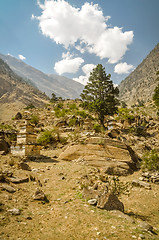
{"x": 89, "y": 193}
{"x": 109, "y": 202}
{"x": 92, "y": 202}
{"x": 18, "y": 180}
{"x": 39, "y": 195}
{"x": 114, "y": 133}
{"x": 14, "y": 211}
{"x": 141, "y": 236}
{"x": 18, "y": 116}
{"x": 122, "y": 215}
{"x": 24, "y": 166}
{"x": 8, "y": 188}
{"x": 145, "y": 226}
{"x": 4, "y": 147}
{"x": 112, "y": 155}
{"x": 138, "y": 183}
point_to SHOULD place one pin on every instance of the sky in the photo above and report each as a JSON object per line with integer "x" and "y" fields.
{"x": 70, "y": 38}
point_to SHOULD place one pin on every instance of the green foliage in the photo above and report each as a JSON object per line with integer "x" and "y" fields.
{"x": 97, "y": 127}
{"x": 53, "y": 98}
{"x": 99, "y": 95}
{"x": 125, "y": 113}
{"x": 150, "y": 160}
{"x": 72, "y": 106}
{"x": 60, "y": 112}
{"x": 82, "y": 114}
{"x": 46, "y": 138}
{"x": 29, "y": 106}
{"x": 72, "y": 122}
{"x": 5, "y": 127}
{"x": 156, "y": 96}
{"x": 34, "y": 119}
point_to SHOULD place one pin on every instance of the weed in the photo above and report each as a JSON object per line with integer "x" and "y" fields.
{"x": 34, "y": 119}
{"x": 150, "y": 160}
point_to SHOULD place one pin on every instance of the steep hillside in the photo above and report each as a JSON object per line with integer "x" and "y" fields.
{"x": 15, "y": 93}
{"x": 61, "y": 86}
{"x": 140, "y": 84}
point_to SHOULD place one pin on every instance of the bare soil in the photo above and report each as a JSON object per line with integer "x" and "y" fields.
{"x": 67, "y": 215}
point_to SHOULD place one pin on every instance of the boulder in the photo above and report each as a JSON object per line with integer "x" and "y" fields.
{"x": 18, "y": 116}
{"x": 111, "y": 155}
{"x": 109, "y": 202}
{"x": 4, "y": 147}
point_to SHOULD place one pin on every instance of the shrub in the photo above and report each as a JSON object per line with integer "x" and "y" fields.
{"x": 46, "y": 138}
{"x": 29, "y": 106}
{"x": 34, "y": 119}
{"x": 72, "y": 106}
{"x": 150, "y": 160}
{"x": 72, "y": 122}
{"x": 82, "y": 114}
{"x": 97, "y": 127}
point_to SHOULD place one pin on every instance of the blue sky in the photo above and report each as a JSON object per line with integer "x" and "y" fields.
{"x": 70, "y": 37}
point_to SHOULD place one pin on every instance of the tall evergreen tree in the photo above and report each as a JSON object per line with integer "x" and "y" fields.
{"x": 99, "y": 94}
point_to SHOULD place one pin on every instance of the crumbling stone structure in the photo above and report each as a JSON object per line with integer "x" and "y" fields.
{"x": 26, "y": 141}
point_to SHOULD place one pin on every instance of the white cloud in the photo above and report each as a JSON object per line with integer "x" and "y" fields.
{"x": 84, "y": 28}
{"x": 21, "y": 57}
{"x": 68, "y": 64}
{"x": 83, "y": 79}
{"x": 123, "y": 68}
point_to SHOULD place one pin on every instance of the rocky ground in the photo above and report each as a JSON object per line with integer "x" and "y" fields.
{"x": 51, "y": 198}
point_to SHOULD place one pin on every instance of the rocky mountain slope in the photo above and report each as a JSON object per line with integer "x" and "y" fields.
{"x": 140, "y": 84}
{"x": 15, "y": 93}
{"x": 61, "y": 86}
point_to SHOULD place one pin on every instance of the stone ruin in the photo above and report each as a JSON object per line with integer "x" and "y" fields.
{"x": 26, "y": 141}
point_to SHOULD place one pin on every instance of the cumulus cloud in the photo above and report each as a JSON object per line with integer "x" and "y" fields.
{"x": 21, "y": 57}
{"x": 123, "y": 68}
{"x": 83, "y": 79}
{"x": 68, "y": 64}
{"x": 84, "y": 28}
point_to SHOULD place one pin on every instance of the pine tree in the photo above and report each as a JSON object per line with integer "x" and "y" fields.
{"x": 99, "y": 94}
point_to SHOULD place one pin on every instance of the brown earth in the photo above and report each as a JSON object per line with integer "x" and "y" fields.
{"x": 68, "y": 215}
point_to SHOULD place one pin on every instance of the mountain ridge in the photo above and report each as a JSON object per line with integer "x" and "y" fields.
{"x": 16, "y": 93}
{"x": 140, "y": 84}
{"x": 48, "y": 83}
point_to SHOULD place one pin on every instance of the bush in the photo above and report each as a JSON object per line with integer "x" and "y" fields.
{"x": 29, "y": 106}
{"x": 46, "y": 138}
{"x": 72, "y": 122}
{"x": 97, "y": 127}
{"x": 150, "y": 160}
{"x": 72, "y": 106}
{"x": 82, "y": 114}
{"x": 34, "y": 119}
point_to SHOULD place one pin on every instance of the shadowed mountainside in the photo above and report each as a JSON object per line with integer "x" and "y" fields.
{"x": 140, "y": 84}
{"x": 61, "y": 86}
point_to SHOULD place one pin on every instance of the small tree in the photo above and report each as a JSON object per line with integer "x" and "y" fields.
{"x": 54, "y": 98}
{"x": 99, "y": 95}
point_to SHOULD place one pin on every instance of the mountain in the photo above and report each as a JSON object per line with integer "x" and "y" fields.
{"x": 61, "y": 86}
{"x": 140, "y": 84}
{"x": 15, "y": 93}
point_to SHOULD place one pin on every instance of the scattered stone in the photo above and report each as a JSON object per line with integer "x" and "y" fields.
{"x": 39, "y": 195}
{"x": 145, "y": 226}
{"x": 138, "y": 183}
{"x": 8, "y": 188}
{"x": 92, "y": 202}
{"x": 141, "y": 236}
{"x": 46, "y": 180}
{"x": 24, "y": 166}
{"x": 109, "y": 202}
{"x": 18, "y": 180}
{"x": 14, "y": 211}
